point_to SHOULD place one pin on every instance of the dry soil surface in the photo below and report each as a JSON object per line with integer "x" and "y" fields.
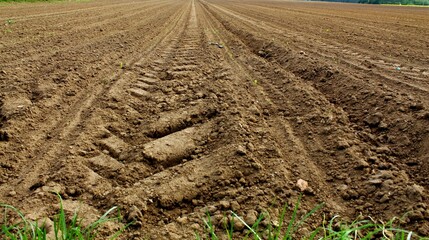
{"x": 171, "y": 108}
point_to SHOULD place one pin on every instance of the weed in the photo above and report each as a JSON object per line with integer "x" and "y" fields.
{"x": 9, "y": 22}
{"x": 271, "y": 232}
{"x": 332, "y": 230}
{"x": 63, "y": 230}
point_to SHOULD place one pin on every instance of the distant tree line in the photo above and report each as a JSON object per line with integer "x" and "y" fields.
{"x": 402, "y": 2}
{"x": 399, "y": 2}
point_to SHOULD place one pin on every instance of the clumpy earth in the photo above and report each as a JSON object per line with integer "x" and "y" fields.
{"x": 169, "y": 109}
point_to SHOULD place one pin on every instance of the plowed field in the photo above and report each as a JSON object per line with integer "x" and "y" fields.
{"x": 170, "y": 108}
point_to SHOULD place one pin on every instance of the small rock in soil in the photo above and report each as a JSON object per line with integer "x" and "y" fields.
{"x": 383, "y": 149}
{"x": 182, "y": 220}
{"x": 174, "y": 236}
{"x": 211, "y": 209}
{"x": 135, "y": 215}
{"x": 425, "y": 116}
{"x": 241, "y": 150}
{"x": 264, "y": 54}
{"x": 383, "y": 125}
{"x": 251, "y": 217}
{"x": 376, "y": 181}
{"x": 385, "y": 198}
{"x": 224, "y": 204}
{"x": 415, "y": 192}
{"x": 195, "y": 227}
{"x": 238, "y": 225}
{"x": 342, "y": 144}
{"x": 416, "y": 216}
{"x": 47, "y": 225}
{"x": 219, "y": 219}
{"x": 361, "y": 164}
{"x": 417, "y": 106}
{"x": 353, "y": 194}
{"x": 235, "y": 206}
{"x": 374, "y": 119}
{"x": 250, "y": 146}
{"x": 302, "y": 185}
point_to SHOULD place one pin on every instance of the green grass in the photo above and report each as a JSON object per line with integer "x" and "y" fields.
{"x": 288, "y": 224}
{"x": 406, "y": 5}
{"x": 6, "y": 1}
{"x": 35, "y": 1}
{"x": 365, "y": 229}
{"x": 63, "y": 229}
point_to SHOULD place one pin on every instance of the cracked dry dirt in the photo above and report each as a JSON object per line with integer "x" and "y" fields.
{"x": 171, "y": 108}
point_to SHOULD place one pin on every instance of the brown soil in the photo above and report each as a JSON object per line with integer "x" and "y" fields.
{"x": 169, "y": 109}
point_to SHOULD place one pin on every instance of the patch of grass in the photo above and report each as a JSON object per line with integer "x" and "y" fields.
{"x": 367, "y": 229}
{"x": 9, "y": 22}
{"x": 28, "y": 1}
{"x": 63, "y": 228}
{"x": 329, "y": 230}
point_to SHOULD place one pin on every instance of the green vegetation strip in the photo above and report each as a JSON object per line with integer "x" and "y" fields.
{"x": 385, "y": 2}
{"x": 63, "y": 229}
{"x": 66, "y": 228}
{"x": 397, "y": 2}
{"x": 286, "y": 230}
{"x": 29, "y": 1}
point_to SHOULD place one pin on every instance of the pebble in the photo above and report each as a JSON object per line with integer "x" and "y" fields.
{"x": 383, "y": 125}
{"x": 238, "y": 225}
{"x": 361, "y": 164}
{"x": 235, "y": 206}
{"x": 224, "y": 204}
{"x": 383, "y": 149}
{"x": 135, "y": 215}
{"x": 241, "y": 150}
{"x": 251, "y": 217}
{"x": 353, "y": 194}
{"x": 414, "y": 192}
{"x": 342, "y": 144}
{"x": 374, "y": 119}
{"x": 211, "y": 209}
{"x": 385, "y": 198}
{"x": 174, "y": 236}
{"x": 48, "y": 225}
{"x": 12, "y": 193}
{"x": 376, "y": 181}
{"x": 417, "y": 106}
{"x": 242, "y": 181}
{"x": 182, "y": 220}
{"x": 195, "y": 227}
{"x": 256, "y": 166}
{"x": 424, "y": 115}
{"x": 218, "y": 219}
{"x": 342, "y": 187}
{"x": 71, "y": 191}
{"x": 302, "y": 185}
{"x": 250, "y": 146}
{"x": 416, "y": 216}
{"x": 386, "y": 175}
